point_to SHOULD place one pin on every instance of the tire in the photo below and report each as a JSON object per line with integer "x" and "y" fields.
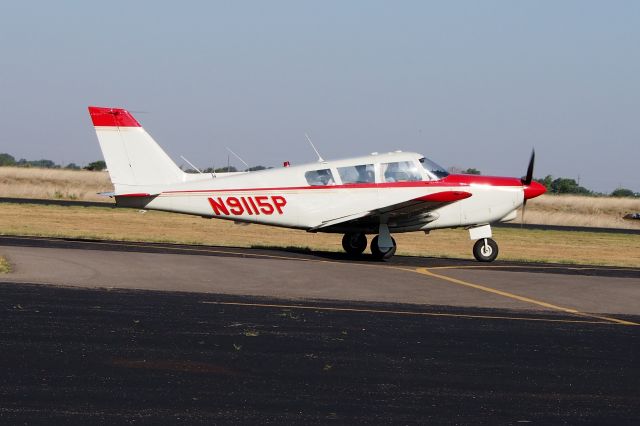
{"x": 487, "y": 254}
{"x": 354, "y": 243}
{"x": 379, "y": 254}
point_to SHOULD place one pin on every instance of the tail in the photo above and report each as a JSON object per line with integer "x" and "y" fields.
{"x": 133, "y": 158}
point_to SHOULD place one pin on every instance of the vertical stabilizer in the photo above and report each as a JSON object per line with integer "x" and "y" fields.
{"x": 133, "y": 158}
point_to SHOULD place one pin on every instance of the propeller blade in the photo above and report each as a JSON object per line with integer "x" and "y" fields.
{"x": 524, "y": 209}
{"x": 527, "y": 180}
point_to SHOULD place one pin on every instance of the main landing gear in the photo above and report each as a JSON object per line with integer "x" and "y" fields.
{"x": 354, "y": 243}
{"x": 383, "y": 246}
{"x": 382, "y": 253}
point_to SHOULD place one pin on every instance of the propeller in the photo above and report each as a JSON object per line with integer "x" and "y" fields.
{"x": 527, "y": 180}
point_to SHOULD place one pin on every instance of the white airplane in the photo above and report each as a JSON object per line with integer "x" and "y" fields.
{"x": 376, "y": 194}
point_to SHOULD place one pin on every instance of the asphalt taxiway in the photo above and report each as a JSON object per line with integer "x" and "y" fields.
{"x": 111, "y": 332}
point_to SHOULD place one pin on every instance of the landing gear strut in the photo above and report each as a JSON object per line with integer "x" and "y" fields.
{"x": 354, "y": 243}
{"x": 485, "y": 250}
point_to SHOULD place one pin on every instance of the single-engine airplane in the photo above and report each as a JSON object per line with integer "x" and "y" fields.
{"x": 376, "y": 194}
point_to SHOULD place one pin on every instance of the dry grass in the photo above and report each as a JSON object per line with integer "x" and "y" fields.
{"x": 577, "y": 210}
{"x": 5, "y": 266}
{"x": 23, "y": 182}
{"x": 131, "y": 225}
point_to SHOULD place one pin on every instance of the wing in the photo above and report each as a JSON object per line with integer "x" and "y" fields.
{"x": 405, "y": 214}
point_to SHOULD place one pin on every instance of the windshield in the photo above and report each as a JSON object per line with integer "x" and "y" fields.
{"x": 434, "y": 168}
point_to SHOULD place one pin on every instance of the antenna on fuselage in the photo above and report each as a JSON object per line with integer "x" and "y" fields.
{"x": 320, "y": 159}
{"x": 238, "y": 157}
{"x": 191, "y": 164}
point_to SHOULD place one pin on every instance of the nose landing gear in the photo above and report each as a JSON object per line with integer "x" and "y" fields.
{"x": 485, "y": 250}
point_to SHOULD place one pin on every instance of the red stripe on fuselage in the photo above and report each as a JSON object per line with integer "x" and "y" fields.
{"x": 449, "y": 181}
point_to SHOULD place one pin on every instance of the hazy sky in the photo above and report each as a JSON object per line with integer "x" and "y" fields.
{"x": 467, "y": 83}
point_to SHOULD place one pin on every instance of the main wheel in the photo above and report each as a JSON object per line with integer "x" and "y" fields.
{"x": 485, "y": 250}
{"x": 378, "y": 253}
{"x": 354, "y": 243}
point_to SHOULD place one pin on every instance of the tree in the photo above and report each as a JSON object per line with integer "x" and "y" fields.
{"x": 7, "y": 160}
{"x": 256, "y": 168}
{"x": 547, "y": 181}
{"x": 568, "y": 186}
{"x": 472, "y": 171}
{"x": 72, "y": 166}
{"x": 45, "y": 164}
{"x": 221, "y": 170}
{"x": 623, "y": 192}
{"x": 96, "y": 166}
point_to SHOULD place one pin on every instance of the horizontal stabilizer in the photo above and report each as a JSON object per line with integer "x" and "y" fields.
{"x": 136, "y": 195}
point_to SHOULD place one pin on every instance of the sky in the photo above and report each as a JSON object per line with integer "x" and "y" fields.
{"x": 467, "y": 83}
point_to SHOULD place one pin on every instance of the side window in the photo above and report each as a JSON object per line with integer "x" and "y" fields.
{"x": 322, "y": 177}
{"x": 357, "y": 174}
{"x": 402, "y": 171}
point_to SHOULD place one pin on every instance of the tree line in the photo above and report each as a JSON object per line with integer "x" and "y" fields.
{"x": 9, "y": 160}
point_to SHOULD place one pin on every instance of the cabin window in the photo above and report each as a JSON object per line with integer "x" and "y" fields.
{"x": 363, "y": 173}
{"x": 322, "y": 177}
{"x": 401, "y": 171}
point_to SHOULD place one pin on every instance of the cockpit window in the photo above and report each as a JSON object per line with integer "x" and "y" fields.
{"x": 357, "y": 174}
{"x": 434, "y": 168}
{"x": 322, "y": 177}
{"x": 401, "y": 171}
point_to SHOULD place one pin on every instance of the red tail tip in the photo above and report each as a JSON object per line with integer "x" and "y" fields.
{"x": 112, "y": 117}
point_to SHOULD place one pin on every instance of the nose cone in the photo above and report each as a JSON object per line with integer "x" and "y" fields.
{"x": 533, "y": 190}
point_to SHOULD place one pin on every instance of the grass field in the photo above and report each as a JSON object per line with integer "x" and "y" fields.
{"x": 59, "y": 184}
{"x": 132, "y": 225}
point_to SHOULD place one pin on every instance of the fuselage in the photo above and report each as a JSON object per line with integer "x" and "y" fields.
{"x": 306, "y": 196}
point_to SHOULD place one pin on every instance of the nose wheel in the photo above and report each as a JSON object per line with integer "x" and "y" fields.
{"x": 485, "y": 250}
{"x": 354, "y": 243}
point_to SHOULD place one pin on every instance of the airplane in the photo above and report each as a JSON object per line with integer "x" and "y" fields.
{"x": 377, "y": 194}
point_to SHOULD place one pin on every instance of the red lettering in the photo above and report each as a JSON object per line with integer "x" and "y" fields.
{"x": 218, "y": 206}
{"x": 246, "y": 205}
{"x": 250, "y": 205}
{"x": 279, "y": 202}
{"x": 255, "y": 209}
{"x": 264, "y": 205}
{"x": 234, "y": 206}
